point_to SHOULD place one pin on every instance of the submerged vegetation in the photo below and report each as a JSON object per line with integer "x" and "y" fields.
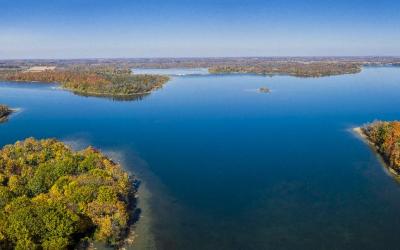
{"x": 97, "y": 81}
{"x": 385, "y": 136}
{"x": 52, "y": 197}
{"x": 5, "y": 111}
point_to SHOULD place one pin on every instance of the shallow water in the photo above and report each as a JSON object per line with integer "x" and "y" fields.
{"x": 229, "y": 168}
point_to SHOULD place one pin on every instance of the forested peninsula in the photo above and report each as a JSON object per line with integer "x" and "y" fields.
{"x": 299, "y": 69}
{"x": 98, "y": 81}
{"x": 52, "y": 197}
{"x": 5, "y": 111}
{"x": 385, "y": 138}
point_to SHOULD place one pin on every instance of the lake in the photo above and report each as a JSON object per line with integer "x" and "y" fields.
{"x": 226, "y": 167}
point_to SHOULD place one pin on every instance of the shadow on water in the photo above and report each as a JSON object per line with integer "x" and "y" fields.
{"x": 7, "y": 117}
{"x": 135, "y": 97}
{"x": 3, "y": 119}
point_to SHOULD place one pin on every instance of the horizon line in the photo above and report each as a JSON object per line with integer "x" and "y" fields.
{"x": 196, "y": 57}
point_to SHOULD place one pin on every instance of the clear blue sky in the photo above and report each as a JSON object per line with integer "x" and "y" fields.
{"x": 179, "y": 28}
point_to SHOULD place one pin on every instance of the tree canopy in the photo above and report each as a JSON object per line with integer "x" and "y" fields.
{"x": 4, "y": 111}
{"x": 386, "y": 137}
{"x": 51, "y": 196}
{"x": 95, "y": 82}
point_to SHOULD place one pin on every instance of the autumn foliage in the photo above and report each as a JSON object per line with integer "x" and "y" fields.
{"x": 4, "y": 111}
{"x": 386, "y": 137}
{"x": 101, "y": 82}
{"x": 51, "y": 196}
{"x": 300, "y": 69}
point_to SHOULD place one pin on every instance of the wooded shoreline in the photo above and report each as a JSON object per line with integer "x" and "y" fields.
{"x": 104, "y": 82}
{"x": 383, "y": 139}
{"x": 5, "y": 111}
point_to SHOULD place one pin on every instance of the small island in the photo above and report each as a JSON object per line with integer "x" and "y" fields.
{"x": 52, "y": 197}
{"x": 384, "y": 137}
{"x": 264, "y": 90}
{"x": 91, "y": 81}
{"x": 5, "y": 111}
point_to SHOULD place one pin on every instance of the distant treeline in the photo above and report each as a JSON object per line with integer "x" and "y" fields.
{"x": 205, "y": 62}
{"x": 52, "y": 197}
{"x": 386, "y": 137}
{"x": 102, "y": 81}
{"x": 313, "y": 69}
{"x": 297, "y": 66}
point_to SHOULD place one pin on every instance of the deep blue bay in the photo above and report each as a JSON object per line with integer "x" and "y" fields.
{"x": 226, "y": 167}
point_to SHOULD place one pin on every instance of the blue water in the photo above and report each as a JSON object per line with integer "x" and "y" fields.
{"x": 231, "y": 168}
